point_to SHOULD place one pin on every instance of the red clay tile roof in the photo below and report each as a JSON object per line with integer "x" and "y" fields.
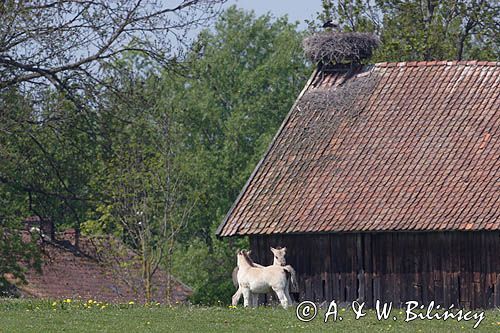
{"x": 419, "y": 151}
{"x": 98, "y": 275}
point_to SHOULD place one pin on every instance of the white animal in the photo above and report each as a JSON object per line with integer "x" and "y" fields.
{"x": 278, "y": 260}
{"x": 254, "y": 280}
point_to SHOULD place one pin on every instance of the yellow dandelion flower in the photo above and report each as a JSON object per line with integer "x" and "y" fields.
{"x": 54, "y": 304}
{"x": 131, "y": 303}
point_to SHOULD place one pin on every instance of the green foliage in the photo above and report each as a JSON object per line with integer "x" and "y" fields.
{"x": 423, "y": 30}
{"x": 243, "y": 78}
{"x": 207, "y": 272}
{"x": 47, "y": 157}
{"x": 16, "y": 255}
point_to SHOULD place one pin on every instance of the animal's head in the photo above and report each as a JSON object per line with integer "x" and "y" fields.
{"x": 243, "y": 256}
{"x": 279, "y": 255}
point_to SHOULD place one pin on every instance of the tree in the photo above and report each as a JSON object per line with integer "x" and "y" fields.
{"x": 55, "y": 57}
{"x": 63, "y": 43}
{"x": 139, "y": 180}
{"x": 243, "y": 79}
{"x": 47, "y": 163}
{"x": 245, "y": 75}
{"x": 423, "y": 29}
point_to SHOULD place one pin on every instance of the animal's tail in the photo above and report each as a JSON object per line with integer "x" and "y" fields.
{"x": 234, "y": 275}
{"x": 294, "y": 287}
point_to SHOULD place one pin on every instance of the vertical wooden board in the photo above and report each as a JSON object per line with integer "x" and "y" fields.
{"x": 308, "y": 294}
{"x": 470, "y": 272}
{"x": 376, "y": 288}
{"x": 351, "y": 273}
{"x": 467, "y": 289}
{"x": 438, "y": 269}
{"x": 343, "y": 286}
{"x": 495, "y": 248}
{"x": 432, "y": 262}
{"x": 417, "y": 252}
{"x": 335, "y": 281}
{"x": 386, "y": 285}
{"x": 496, "y": 266}
{"x": 367, "y": 253}
{"x": 392, "y": 258}
{"x": 447, "y": 263}
{"x": 462, "y": 261}
{"x": 482, "y": 258}
{"x": 335, "y": 267}
{"x": 493, "y": 241}
{"x": 497, "y": 291}
{"x": 406, "y": 270}
{"x": 369, "y": 290}
{"x": 398, "y": 250}
{"x": 317, "y": 287}
{"x": 368, "y": 274}
{"x": 360, "y": 277}
{"x": 354, "y": 285}
{"x": 477, "y": 299}
{"x": 454, "y": 257}
{"x": 455, "y": 288}
{"x": 425, "y": 271}
{"x": 330, "y": 269}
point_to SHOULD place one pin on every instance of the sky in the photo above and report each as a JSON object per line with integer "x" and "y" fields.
{"x": 295, "y": 9}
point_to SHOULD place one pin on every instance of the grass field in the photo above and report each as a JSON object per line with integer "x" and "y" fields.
{"x": 92, "y": 316}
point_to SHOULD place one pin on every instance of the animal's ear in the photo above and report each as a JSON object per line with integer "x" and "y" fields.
{"x": 273, "y": 249}
{"x": 249, "y": 252}
{"x": 284, "y": 249}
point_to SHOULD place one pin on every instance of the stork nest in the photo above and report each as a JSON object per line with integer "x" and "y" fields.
{"x": 340, "y": 47}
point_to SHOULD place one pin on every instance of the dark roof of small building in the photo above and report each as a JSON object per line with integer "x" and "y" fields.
{"x": 416, "y": 149}
{"x": 96, "y": 272}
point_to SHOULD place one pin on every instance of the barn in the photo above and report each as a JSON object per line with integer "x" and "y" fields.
{"x": 384, "y": 184}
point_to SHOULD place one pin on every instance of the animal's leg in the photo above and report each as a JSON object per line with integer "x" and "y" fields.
{"x": 287, "y": 295}
{"x": 282, "y": 297}
{"x": 255, "y": 300}
{"x": 236, "y": 297}
{"x": 246, "y": 297}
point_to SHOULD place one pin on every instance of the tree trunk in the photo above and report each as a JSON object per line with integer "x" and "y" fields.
{"x": 146, "y": 273}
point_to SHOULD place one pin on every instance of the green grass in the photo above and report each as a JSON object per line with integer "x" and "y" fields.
{"x": 60, "y": 316}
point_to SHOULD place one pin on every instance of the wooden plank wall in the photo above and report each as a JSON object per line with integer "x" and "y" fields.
{"x": 460, "y": 268}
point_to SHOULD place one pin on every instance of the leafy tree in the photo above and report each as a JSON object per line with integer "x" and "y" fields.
{"x": 63, "y": 43}
{"x": 423, "y": 29}
{"x": 138, "y": 182}
{"x": 244, "y": 76}
{"x": 47, "y": 156}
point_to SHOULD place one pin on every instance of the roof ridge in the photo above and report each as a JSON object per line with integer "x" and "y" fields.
{"x": 437, "y": 63}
